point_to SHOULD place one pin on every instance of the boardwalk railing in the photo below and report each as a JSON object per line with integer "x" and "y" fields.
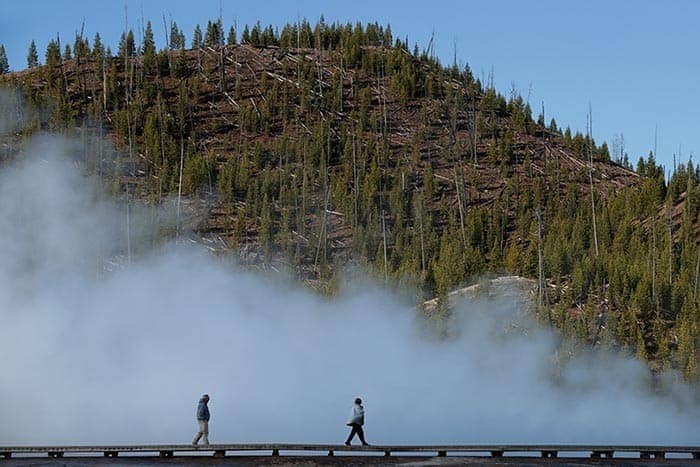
{"x": 221, "y": 450}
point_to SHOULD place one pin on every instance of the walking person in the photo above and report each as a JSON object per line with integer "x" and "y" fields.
{"x": 356, "y": 420}
{"x": 203, "y": 421}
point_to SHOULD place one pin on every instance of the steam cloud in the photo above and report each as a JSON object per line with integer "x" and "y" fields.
{"x": 89, "y": 357}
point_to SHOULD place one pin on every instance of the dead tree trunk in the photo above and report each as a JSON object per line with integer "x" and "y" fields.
{"x": 653, "y": 261}
{"x": 354, "y": 173}
{"x": 222, "y": 73}
{"x": 168, "y": 43}
{"x": 386, "y": 263}
{"x": 670, "y": 243}
{"x": 540, "y": 273}
{"x": 590, "y": 178}
{"x": 161, "y": 130}
{"x": 453, "y": 137}
{"x": 697, "y": 276}
{"x": 104, "y": 83}
{"x": 127, "y": 98}
{"x": 77, "y": 54}
{"x": 542, "y": 297}
{"x": 64, "y": 94}
{"x": 322, "y": 233}
{"x": 179, "y": 184}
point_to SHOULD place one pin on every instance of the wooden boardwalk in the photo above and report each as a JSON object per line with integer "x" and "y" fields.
{"x": 276, "y": 449}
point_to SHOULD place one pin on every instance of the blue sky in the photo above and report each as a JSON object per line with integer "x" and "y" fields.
{"x": 637, "y": 63}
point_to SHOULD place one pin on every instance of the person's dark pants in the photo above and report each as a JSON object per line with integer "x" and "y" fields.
{"x": 356, "y": 429}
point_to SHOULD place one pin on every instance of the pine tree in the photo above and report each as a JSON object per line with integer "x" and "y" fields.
{"x": 32, "y": 56}
{"x": 53, "y": 55}
{"x": 215, "y": 34}
{"x": 197, "y": 38}
{"x": 81, "y": 47}
{"x": 127, "y": 46}
{"x": 98, "y": 50}
{"x": 4, "y": 64}
{"x": 181, "y": 68}
{"x": 177, "y": 37}
{"x": 148, "y": 48}
{"x": 255, "y": 34}
{"x": 174, "y": 43}
{"x": 231, "y": 39}
{"x": 53, "y": 61}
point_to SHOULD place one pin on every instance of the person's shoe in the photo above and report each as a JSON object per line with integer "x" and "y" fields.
{"x": 365, "y": 444}
{"x": 347, "y": 444}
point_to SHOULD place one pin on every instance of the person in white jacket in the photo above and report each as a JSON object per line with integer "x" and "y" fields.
{"x": 356, "y": 420}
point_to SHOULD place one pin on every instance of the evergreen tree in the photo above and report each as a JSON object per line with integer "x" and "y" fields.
{"x": 67, "y": 54}
{"x": 53, "y": 55}
{"x": 98, "y": 50}
{"x": 197, "y": 38}
{"x": 4, "y": 64}
{"x": 174, "y": 43}
{"x": 81, "y": 47}
{"x": 255, "y": 34}
{"x": 148, "y": 48}
{"x": 53, "y": 60}
{"x": 215, "y": 34}
{"x": 32, "y": 56}
{"x": 181, "y": 68}
{"x": 387, "y": 36}
{"x": 267, "y": 37}
{"x": 231, "y": 39}
{"x": 177, "y": 37}
{"x": 127, "y": 46}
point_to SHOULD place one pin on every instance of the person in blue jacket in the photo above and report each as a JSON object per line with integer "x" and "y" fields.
{"x": 203, "y": 421}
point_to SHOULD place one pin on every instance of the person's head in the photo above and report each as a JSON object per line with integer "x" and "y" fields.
{"x": 358, "y": 401}
{"x": 205, "y": 397}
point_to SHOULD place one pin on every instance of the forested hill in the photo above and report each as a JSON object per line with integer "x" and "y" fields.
{"x": 317, "y": 145}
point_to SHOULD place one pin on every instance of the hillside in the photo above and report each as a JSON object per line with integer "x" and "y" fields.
{"x": 328, "y": 145}
{"x": 461, "y": 143}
